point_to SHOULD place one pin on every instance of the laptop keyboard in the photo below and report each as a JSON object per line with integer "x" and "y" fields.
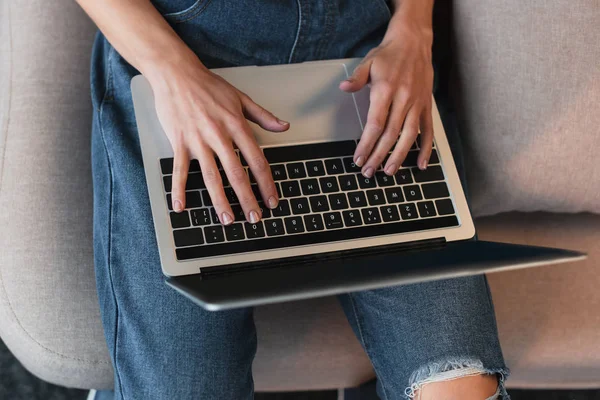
{"x": 323, "y": 198}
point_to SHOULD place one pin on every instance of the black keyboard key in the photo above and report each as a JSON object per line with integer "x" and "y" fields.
{"x": 224, "y": 179}
{"x": 214, "y": 216}
{"x": 180, "y": 220}
{"x": 265, "y": 211}
{"x": 389, "y": 213}
{"x": 384, "y": 180}
{"x": 166, "y": 166}
{"x": 338, "y": 201}
{"x": 256, "y": 191}
{"x": 195, "y": 182}
{"x": 333, "y": 220}
{"x": 290, "y": 189}
{"x": 278, "y": 172}
{"x": 231, "y": 196}
{"x": 167, "y": 180}
{"x": 434, "y": 159}
{"x": 412, "y": 193}
{"x": 435, "y": 190}
{"x": 310, "y": 186}
{"x": 238, "y": 213}
{"x": 366, "y": 183}
{"x": 419, "y": 141}
{"x": 274, "y": 227}
{"x": 352, "y": 218}
{"x": 315, "y": 168}
{"x": 278, "y": 187}
{"x": 433, "y": 173}
{"x": 296, "y": 170}
{"x": 294, "y": 225}
{"x": 408, "y": 211}
{"x": 350, "y": 166}
{"x": 282, "y": 209}
{"x": 214, "y": 234}
{"x": 329, "y": 184}
{"x": 371, "y": 215}
{"x": 310, "y": 151}
{"x": 318, "y": 203}
{"x": 394, "y": 195}
{"x": 348, "y": 182}
{"x": 403, "y": 177}
{"x": 200, "y": 216}
{"x": 357, "y": 199}
{"x": 254, "y": 231}
{"x": 334, "y": 166}
{"x": 242, "y": 246}
{"x": 206, "y": 198}
{"x": 299, "y": 206}
{"x": 188, "y": 237}
{"x": 234, "y": 232}
{"x": 192, "y": 200}
{"x": 444, "y": 207}
{"x": 314, "y": 222}
{"x": 250, "y": 175}
{"x": 375, "y": 197}
{"x": 426, "y": 209}
{"x": 411, "y": 159}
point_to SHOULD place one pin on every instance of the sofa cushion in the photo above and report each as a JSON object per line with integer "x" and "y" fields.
{"x": 530, "y": 82}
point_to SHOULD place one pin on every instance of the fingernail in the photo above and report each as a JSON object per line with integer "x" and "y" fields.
{"x": 177, "y": 206}
{"x": 272, "y": 202}
{"x": 359, "y": 161}
{"x": 284, "y": 123}
{"x": 391, "y": 169}
{"x": 227, "y": 219}
{"x": 423, "y": 164}
{"x": 253, "y": 217}
{"x": 368, "y": 172}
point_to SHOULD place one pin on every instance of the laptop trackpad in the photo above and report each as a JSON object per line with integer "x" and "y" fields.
{"x": 307, "y": 96}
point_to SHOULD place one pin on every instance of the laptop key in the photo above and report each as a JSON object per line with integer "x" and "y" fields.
{"x": 412, "y": 193}
{"x": 194, "y": 182}
{"x": 278, "y": 172}
{"x": 426, "y": 209}
{"x": 394, "y": 195}
{"x": 319, "y": 203}
{"x": 375, "y": 197}
{"x": 274, "y": 227}
{"x": 338, "y": 201}
{"x": 352, "y": 218}
{"x": 192, "y": 200}
{"x": 333, "y": 220}
{"x": 315, "y": 168}
{"x": 238, "y": 213}
{"x": 310, "y": 151}
{"x": 314, "y": 222}
{"x": 234, "y": 232}
{"x": 294, "y": 225}
{"x": 403, "y": 177}
{"x": 299, "y": 206}
{"x": 434, "y": 159}
{"x": 214, "y": 234}
{"x": 296, "y": 170}
{"x": 282, "y": 209}
{"x": 167, "y": 180}
{"x": 384, "y": 180}
{"x": 411, "y": 159}
{"x": 350, "y": 166}
{"x": 329, "y": 184}
{"x": 357, "y": 199}
{"x": 435, "y": 190}
{"x": 206, "y": 198}
{"x": 334, "y": 166}
{"x": 166, "y": 166}
{"x": 371, "y": 215}
{"x": 348, "y": 182}
{"x": 180, "y": 220}
{"x": 444, "y": 207}
{"x": 188, "y": 237}
{"x": 310, "y": 186}
{"x": 231, "y": 196}
{"x": 433, "y": 173}
{"x": 290, "y": 189}
{"x": 389, "y": 213}
{"x": 364, "y": 182}
{"x": 200, "y": 216}
{"x": 408, "y": 211}
{"x": 214, "y": 216}
{"x": 254, "y": 231}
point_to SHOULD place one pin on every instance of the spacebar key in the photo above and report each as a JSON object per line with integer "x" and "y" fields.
{"x": 310, "y": 151}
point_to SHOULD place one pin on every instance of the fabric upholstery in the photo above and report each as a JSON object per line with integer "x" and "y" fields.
{"x": 530, "y": 82}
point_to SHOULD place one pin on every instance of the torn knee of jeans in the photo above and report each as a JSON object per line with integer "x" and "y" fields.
{"x": 454, "y": 369}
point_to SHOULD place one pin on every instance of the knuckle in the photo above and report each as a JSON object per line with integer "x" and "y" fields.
{"x": 237, "y": 174}
{"x": 211, "y": 176}
{"x": 259, "y": 164}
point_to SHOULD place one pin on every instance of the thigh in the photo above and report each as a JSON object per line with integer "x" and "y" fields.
{"x": 162, "y": 345}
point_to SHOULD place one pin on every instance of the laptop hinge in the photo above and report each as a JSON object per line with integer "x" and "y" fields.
{"x": 298, "y": 261}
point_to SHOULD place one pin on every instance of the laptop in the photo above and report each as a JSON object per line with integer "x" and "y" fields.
{"x": 334, "y": 230}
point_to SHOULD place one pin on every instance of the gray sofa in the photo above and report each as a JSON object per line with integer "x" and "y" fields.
{"x": 529, "y": 81}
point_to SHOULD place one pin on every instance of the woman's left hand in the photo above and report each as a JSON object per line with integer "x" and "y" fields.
{"x": 401, "y": 77}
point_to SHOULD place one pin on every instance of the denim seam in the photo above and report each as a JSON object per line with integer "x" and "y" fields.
{"x": 328, "y": 30}
{"x": 364, "y": 343}
{"x": 110, "y": 218}
{"x": 297, "y": 32}
{"x": 191, "y": 13}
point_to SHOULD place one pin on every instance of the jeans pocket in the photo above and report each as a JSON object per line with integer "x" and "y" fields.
{"x": 177, "y": 11}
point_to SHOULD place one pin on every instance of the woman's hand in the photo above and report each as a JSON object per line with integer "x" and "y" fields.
{"x": 204, "y": 116}
{"x": 401, "y": 77}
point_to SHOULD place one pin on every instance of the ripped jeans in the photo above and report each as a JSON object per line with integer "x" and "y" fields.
{"x": 164, "y": 347}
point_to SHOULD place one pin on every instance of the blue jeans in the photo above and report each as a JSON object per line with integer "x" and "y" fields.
{"x": 163, "y": 346}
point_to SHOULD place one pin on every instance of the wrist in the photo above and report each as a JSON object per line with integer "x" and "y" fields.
{"x": 415, "y": 13}
{"x": 159, "y": 69}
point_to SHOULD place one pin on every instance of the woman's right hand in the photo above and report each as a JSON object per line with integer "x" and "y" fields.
{"x": 203, "y": 116}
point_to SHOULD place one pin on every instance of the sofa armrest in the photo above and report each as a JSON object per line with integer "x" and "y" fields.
{"x": 49, "y": 313}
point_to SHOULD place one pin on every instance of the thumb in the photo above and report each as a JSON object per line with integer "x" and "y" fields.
{"x": 359, "y": 78}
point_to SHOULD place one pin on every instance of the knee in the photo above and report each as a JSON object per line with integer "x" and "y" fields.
{"x": 475, "y": 387}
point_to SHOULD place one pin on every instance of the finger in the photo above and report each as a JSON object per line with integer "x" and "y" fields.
{"x": 407, "y": 137}
{"x": 359, "y": 77}
{"x": 264, "y": 118}
{"x": 259, "y": 166}
{"x": 238, "y": 179}
{"x": 212, "y": 180}
{"x": 181, "y": 165}
{"x": 426, "y": 137}
{"x": 381, "y": 99}
{"x": 389, "y": 138}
